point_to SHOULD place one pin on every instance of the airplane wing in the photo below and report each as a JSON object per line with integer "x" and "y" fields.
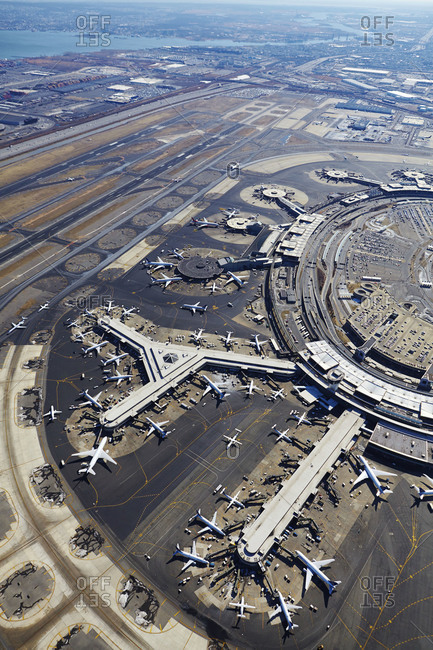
{"x": 82, "y": 454}
{"x": 203, "y": 530}
{"x": 360, "y": 478}
{"x": 308, "y": 576}
{"x": 276, "y": 611}
{"x": 381, "y": 474}
{"x": 213, "y": 520}
{"x": 103, "y": 454}
{"x": 193, "y": 547}
{"x": 319, "y": 563}
{"x": 206, "y": 390}
{"x": 430, "y": 480}
{"x": 186, "y": 565}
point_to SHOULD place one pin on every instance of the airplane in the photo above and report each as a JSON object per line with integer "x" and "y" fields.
{"x": 96, "y": 347}
{"x": 118, "y": 378}
{"x": 232, "y": 500}
{"x": 373, "y": 474}
{"x": 159, "y": 264}
{"x": 257, "y": 344}
{"x": 210, "y": 525}
{"x": 72, "y": 324}
{"x": 240, "y": 281}
{"x": 128, "y": 312}
{"x": 314, "y": 567}
{"x": 282, "y": 435}
{"x": 242, "y": 607}
{"x": 285, "y": 609}
{"x": 214, "y": 387}
{"x": 229, "y": 213}
{"x": 228, "y": 341}
{"x": 92, "y": 401}
{"x": 114, "y": 359}
{"x": 95, "y": 454}
{"x": 277, "y": 393}
{"x": 166, "y": 280}
{"x": 233, "y": 440}
{"x": 52, "y": 413}
{"x": 79, "y": 336}
{"x": 250, "y": 388}
{"x": 195, "y": 307}
{"x": 301, "y": 418}
{"x": 424, "y": 493}
{"x": 214, "y": 287}
{"x": 109, "y": 306}
{"x": 192, "y": 557}
{"x": 176, "y": 253}
{"x": 44, "y": 306}
{"x": 157, "y": 426}
{"x": 203, "y": 223}
{"x": 17, "y": 326}
{"x": 197, "y": 335}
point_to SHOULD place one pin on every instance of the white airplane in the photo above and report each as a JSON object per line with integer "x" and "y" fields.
{"x": 95, "y": 454}
{"x": 44, "y": 306}
{"x": 240, "y": 280}
{"x": 232, "y": 440}
{"x": 214, "y": 387}
{"x": 17, "y": 326}
{"x": 166, "y": 280}
{"x": 118, "y": 378}
{"x": 242, "y": 607}
{"x": 301, "y": 418}
{"x": 285, "y": 609}
{"x": 282, "y": 435}
{"x": 72, "y": 324}
{"x": 96, "y": 347}
{"x": 52, "y": 413}
{"x": 195, "y": 307}
{"x": 214, "y": 287}
{"x": 79, "y": 336}
{"x": 192, "y": 557}
{"x": 197, "y": 335}
{"x": 232, "y": 500}
{"x": 258, "y": 344}
{"x": 314, "y": 567}
{"x": 250, "y": 388}
{"x": 159, "y": 264}
{"x": 229, "y": 213}
{"x": 128, "y": 312}
{"x": 157, "y": 426}
{"x": 204, "y": 223}
{"x": 210, "y": 525}
{"x": 114, "y": 359}
{"x": 109, "y": 306}
{"x": 373, "y": 474}
{"x": 277, "y": 393}
{"x": 227, "y": 340}
{"x": 176, "y": 253}
{"x": 422, "y": 494}
{"x": 91, "y": 401}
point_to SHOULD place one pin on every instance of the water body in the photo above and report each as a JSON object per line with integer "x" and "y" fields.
{"x": 19, "y": 44}
{"x": 25, "y": 43}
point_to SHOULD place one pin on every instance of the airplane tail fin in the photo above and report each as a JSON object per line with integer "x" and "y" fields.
{"x": 333, "y": 585}
{"x": 288, "y": 628}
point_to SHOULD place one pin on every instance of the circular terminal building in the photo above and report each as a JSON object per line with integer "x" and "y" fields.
{"x": 199, "y": 268}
